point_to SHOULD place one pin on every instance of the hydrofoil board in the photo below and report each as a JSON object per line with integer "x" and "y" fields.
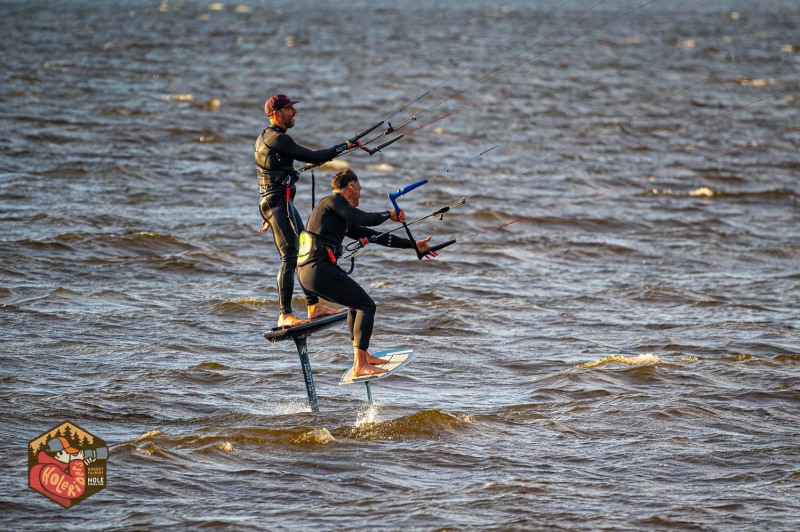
{"x": 290, "y": 333}
{"x": 397, "y": 359}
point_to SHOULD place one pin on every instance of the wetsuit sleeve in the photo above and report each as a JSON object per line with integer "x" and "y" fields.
{"x": 286, "y": 145}
{"x": 356, "y": 216}
{"x": 388, "y": 240}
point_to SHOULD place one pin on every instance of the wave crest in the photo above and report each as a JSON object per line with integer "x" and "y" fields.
{"x": 428, "y": 424}
{"x": 639, "y": 360}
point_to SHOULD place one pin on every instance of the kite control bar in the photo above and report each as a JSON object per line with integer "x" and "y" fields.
{"x": 375, "y": 150}
{"x": 390, "y": 129}
{"x": 365, "y": 133}
{"x": 401, "y": 192}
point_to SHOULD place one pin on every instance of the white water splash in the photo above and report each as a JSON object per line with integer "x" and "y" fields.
{"x": 368, "y": 415}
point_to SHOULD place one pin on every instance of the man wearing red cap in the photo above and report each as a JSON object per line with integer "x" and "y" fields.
{"x": 275, "y": 153}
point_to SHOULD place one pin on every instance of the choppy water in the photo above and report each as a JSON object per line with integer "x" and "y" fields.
{"x": 628, "y": 360}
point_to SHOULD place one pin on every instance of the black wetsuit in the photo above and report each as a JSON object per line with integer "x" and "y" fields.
{"x": 275, "y": 153}
{"x": 332, "y": 220}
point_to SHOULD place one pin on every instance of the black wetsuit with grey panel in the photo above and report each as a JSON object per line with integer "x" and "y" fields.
{"x": 275, "y": 153}
{"x": 333, "y": 219}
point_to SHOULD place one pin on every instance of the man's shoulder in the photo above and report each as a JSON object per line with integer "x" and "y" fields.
{"x": 331, "y": 200}
{"x": 332, "y": 203}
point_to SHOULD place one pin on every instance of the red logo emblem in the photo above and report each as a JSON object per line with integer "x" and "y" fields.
{"x": 67, "y": 464}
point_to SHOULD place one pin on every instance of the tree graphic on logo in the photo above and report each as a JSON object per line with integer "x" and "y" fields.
{"x": 67, "y": 464}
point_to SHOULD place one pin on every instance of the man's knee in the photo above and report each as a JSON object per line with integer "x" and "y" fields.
{"x": 369, "y": 307}
{"x": 289, "y": 260}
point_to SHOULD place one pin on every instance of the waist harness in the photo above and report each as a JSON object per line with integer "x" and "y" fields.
{"x": 313, "y": 249}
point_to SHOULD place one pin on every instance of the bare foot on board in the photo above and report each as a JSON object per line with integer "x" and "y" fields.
{"x": 290, "y": 320}
{"x": 318, "y": 311}
{"x": 366, "y": 370}
{"x": 375, "y": 360}
{"x": 361, "y": 363}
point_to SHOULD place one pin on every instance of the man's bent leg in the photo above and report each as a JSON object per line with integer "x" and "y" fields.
{"x": 362, "y": 332}
{"x": 330, "y": 282}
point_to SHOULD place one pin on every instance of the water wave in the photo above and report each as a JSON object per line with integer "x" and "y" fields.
{"x": 427, "y": 424}
{"x": 215, "y": 366}
{"x": 236, "y": 306}
{"x": 230, "y": 438}
{"x": 638, "y": 360}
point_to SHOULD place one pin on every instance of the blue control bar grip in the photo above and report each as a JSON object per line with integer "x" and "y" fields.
{"x": 402, "y": 191}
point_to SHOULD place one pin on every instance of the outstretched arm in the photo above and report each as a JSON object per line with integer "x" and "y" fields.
{"x": 286, "y": 144}
{"x": 356, "y": 216}
{"x": 384, "y": 239}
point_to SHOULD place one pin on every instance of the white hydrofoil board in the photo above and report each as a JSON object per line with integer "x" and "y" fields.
{"x": 397, "y": 359}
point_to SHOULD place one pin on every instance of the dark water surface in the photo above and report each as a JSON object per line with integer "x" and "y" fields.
{"x": 626, "y": 358}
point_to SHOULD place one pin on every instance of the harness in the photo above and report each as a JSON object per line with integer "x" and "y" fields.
{"x": 313, "y": 249}
{"x": 273, "y": 172}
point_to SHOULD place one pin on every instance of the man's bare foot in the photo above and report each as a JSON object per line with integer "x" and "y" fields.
{"x": 363, "y": 363}
{"x": 367, "y": 370}
{"x": 375, "y": 360}
{"x": 319, "y": 310}
{"x": 290, "y": 320}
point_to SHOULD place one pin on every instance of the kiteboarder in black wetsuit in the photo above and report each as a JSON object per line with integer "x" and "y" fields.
{"x": 275, "y": 153}
{"x": 335, "y": 217}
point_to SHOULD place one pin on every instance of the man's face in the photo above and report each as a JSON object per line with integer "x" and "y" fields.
{"x": 287, "y": 116}
{"x": 355, "y": 193}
